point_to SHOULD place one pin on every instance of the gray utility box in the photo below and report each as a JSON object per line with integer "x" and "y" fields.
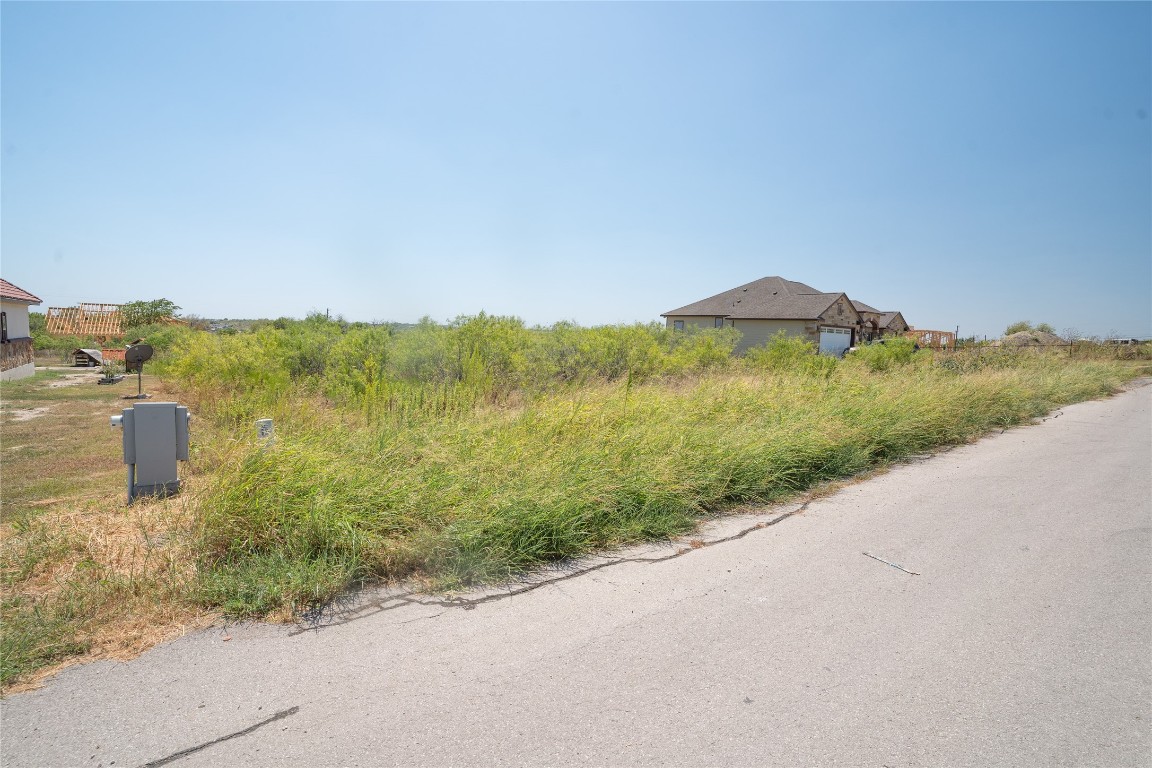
{"x": 155, "y": 438}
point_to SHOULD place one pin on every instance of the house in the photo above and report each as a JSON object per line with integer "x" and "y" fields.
{"x": 16, "y": 357}
{"x": 762, "y": 308}
{"x": 876, "y": 324}
{"x": 893, "y": 324}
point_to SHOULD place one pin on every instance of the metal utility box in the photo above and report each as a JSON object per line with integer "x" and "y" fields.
{"x": 155, "y": 438}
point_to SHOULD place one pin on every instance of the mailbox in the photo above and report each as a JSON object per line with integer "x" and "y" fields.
{"x": 155, "y": 437}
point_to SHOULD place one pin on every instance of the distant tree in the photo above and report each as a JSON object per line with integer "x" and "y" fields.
{"x": 1045, "y": 328}
{"x": 36, "y": 321}
{"x": 137, "y": 313}
{"x": 196, "y": 322}
{"x": 1023, "y": 325}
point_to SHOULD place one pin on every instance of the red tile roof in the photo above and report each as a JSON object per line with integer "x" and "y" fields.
{"x": 14, "y": 293}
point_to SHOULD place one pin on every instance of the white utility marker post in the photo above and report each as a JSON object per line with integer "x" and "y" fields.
{"x": 265, "y": 433}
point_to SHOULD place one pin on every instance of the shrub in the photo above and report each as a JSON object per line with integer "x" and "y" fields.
{"x": 147, "y": 312}
{"x": 885, "y": 354}
{"x": 162, "y": 337}
{"x": 790, "y": 353}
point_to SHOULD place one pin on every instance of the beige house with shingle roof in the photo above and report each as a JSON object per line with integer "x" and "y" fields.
{"x": 893, "y": 324}
{"x": 876, "y": 324}
{"x": 764, "y": 307}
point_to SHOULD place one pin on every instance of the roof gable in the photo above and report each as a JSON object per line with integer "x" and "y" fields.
{"x": 852, "y": 311}
{"x": 757, "y": 292}
{"x": 887, "y": 318}
{"x": 769, "y": 298}
{"x": 10, "y": 292}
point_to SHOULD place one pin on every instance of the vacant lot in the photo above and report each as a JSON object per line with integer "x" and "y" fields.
{"x": 82, "y": 574}
{"x": 446, "y": 455}
{"x": 56, "y": 442}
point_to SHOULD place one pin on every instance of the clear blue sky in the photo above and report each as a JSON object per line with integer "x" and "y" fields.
{"x": 970, "y": 164}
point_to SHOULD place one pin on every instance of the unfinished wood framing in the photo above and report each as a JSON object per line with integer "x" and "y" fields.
{"x": 932, "y": 339}
{"x": 102, "y": 320}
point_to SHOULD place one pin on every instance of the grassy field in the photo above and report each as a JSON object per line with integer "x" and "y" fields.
{"x": 448, "y": 456}
{"x": 71, "y": 447}
{"x": 465, "y": 499}
{"x": 82, "y": 575}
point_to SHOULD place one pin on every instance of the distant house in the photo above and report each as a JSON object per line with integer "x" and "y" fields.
{"x": 893, "y": 324}
{"x": 16, "y": 357}
{"x": 764, "y": 307}
{"x": 876, "y": 324}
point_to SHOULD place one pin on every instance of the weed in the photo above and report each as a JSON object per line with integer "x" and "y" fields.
{"x": 457, "y": 453}
{"x": 463, "y": 490}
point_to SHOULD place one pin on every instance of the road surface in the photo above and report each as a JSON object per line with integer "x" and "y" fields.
{"x": 1001, "y": 616}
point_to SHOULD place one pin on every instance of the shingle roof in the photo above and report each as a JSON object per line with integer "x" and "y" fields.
{"x": 769, "y": 298}
{"x": 887, "y": 317}
{"x": 15, "y": 293}
{"x": 862, "y": 307}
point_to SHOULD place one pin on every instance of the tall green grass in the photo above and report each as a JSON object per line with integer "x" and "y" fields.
{"x": 466, "y": 453}
{"x": 431, "y": 369}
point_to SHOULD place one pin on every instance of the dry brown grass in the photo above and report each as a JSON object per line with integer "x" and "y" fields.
{"x": 128, "y": 569}
{"x": 69, "y": 450}
{"x": 83, "y": 576}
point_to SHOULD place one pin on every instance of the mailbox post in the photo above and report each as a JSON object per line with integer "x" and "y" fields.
{"x": 155, "y": 437}
{"x": 135, "y": 355}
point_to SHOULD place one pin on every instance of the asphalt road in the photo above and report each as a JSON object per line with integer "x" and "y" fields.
{"x": 1019, "y": 634}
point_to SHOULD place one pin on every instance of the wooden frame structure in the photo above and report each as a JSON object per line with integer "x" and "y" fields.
{"x": 100, "y": 320}
{"x": 945, "y": 340}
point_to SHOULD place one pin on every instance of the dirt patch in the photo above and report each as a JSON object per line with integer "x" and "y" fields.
{"x": 27, "y": 414}
{"x": 72, "y": 379}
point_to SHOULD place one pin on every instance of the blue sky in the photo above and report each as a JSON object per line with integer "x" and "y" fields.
{"x": 970, "y": 164}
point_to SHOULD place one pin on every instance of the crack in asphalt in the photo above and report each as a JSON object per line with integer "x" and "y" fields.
{"x": 191, "y": 750}
{"x": 468, "y": 604}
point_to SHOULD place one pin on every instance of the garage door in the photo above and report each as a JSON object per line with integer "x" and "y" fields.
{"x": 835, "y": 341}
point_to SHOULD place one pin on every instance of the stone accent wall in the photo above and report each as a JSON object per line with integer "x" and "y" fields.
{"x": 15, "y": 353}
{"x": 840, "y": 315}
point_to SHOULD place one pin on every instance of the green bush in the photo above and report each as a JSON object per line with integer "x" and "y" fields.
{"x": 137, "y": 313}
{"x": 162, "y": 337}
{"x": 60, "y": 347}
{"x": 884, "y": 355}
{"x": 471, "y": 495}
{"x": 469, "y": 450}
{"x": 785, "y": 352}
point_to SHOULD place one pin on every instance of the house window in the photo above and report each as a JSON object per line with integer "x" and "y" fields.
{"x": 839, "y": 309}
{"x": 4, "y": 327}
{"x": 719, "y": 322}
{"x": 678, "y": 325}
